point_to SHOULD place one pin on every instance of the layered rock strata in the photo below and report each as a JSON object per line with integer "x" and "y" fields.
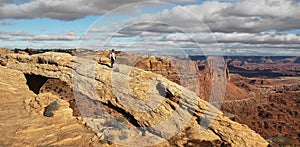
{"x": 153, "y": 107}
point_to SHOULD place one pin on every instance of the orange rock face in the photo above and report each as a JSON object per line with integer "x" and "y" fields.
{"x": 187, "y": 74}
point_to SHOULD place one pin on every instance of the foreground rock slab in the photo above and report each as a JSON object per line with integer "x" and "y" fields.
{"x": 22, "y": 122}
{"x": 164, "y": 112}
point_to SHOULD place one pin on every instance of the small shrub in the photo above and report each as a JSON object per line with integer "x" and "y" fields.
{"x": 50, "y": 108}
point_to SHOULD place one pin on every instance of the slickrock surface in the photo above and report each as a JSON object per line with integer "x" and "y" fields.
{"x": 153, "y": 107}
{"x": 182, "y": 72}
{"x": 22, "y": 122}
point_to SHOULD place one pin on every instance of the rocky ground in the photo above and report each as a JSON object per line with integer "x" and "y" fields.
{"x": 273, "y": 110}
{"x": 260, "y": 91}
{"x": 272, "y": 105}
{"x": 36, "y": 101}
{"x": 22, "y": 121}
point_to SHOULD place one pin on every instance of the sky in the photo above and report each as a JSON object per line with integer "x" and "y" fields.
{"x": 243, "y": 27}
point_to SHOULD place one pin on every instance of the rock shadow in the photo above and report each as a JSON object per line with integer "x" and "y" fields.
{"x": 35, "y": 82}
{"x": 105, "y": 64}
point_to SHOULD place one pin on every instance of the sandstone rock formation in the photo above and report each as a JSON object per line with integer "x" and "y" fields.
{"x": 185, "y": 72}
{"x": 22, "y": 120}
{"x": 156, "y": 111}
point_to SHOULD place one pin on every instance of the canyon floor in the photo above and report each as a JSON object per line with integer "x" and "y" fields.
{"x": 272, "y": 109}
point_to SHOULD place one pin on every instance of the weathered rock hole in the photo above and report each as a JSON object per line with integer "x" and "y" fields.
{"x": 39, "y": 84}
{"x": 35, "y": 82}
{"x": 63, "y": 90}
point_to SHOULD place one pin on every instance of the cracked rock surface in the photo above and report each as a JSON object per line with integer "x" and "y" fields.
{"x": 156, "y": 111}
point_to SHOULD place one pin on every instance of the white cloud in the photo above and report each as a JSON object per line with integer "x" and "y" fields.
{"x": 247, "y": 16}
{"x": 53, "y": 38}
{"x": 246, "y": 38}
{"x": 63, "y": 9}
{"x": 24, "y": 36}
{"x": 265, "y": 8}
{"x": 241, "y": 25}
{"x": 15, "y": 34}
{"x": 4, "y": 37}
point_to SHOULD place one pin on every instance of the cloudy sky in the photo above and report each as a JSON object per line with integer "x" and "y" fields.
{"x": 194, "y": 26}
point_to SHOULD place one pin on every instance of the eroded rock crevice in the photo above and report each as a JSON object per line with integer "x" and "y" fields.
{"x": 40, "y": 84}
{"x": 224, "y": 142}
{"x": 35, "y": 82}
{"x": 127, "y": 115}
{"x": 62, "y": 90}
